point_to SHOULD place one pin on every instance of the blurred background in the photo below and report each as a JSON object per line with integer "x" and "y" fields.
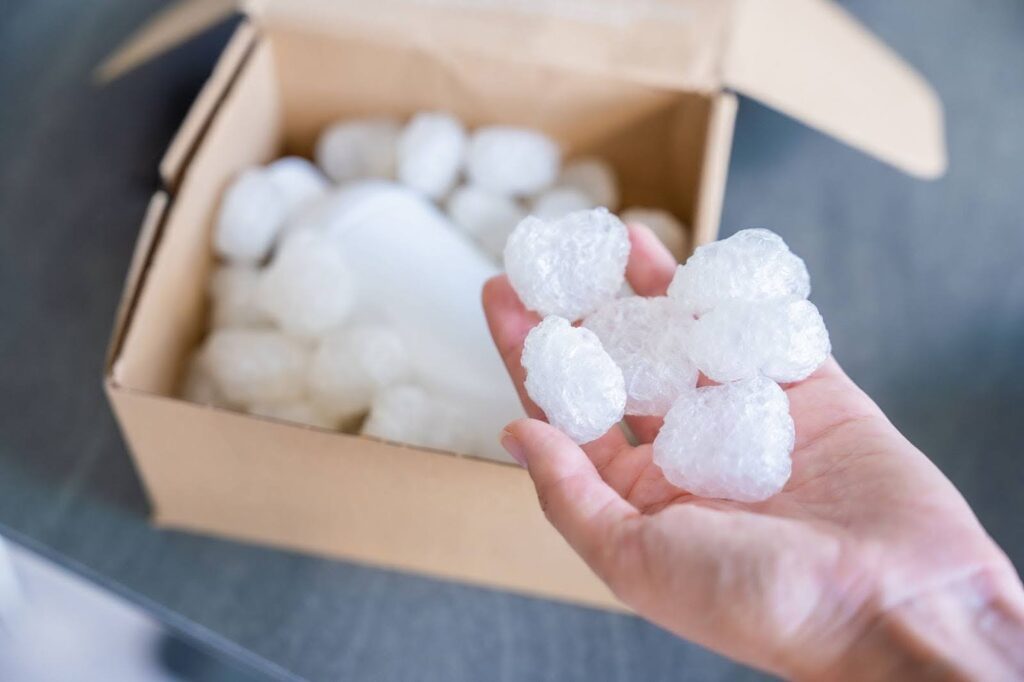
{"x": 921, "y": 285}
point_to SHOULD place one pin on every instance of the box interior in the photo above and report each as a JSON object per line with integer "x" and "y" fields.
{"x": 653, "y": 137}
{"x": 294, "y": 83}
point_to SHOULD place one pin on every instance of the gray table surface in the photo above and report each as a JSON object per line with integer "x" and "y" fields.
{"x": 921, "y": 283}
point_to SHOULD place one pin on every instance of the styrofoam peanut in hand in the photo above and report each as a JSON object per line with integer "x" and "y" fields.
{"x": 751, "y": 265}
{"x": 649, "y": 340}
{"x": 571, "y": 377}
{"x": 783, "y": 340}
{"x": 749, "y": 293}
{"x": 736, "y": 310}
{"x": 568, "y": 266}
{"x": 731, "y": 441}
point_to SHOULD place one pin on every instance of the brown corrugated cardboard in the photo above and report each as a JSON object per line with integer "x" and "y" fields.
{"x": 666, "y": 130}
{"x": 338, "y": 495}
{"x": 331, "y": 493}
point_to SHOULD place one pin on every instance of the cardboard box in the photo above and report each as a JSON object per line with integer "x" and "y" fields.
{"x": 643, "y": 85}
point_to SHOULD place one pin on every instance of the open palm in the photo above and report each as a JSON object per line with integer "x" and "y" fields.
{"x": 867, "y": 535}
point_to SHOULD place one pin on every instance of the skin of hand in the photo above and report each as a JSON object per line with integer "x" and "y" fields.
{"x": 868, "y": 565}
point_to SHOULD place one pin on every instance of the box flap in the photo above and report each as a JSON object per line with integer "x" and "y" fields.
{"x": 216, "y": 87}
{"x": 806, "y": 58}
{"x": 172, "y": 26}
{"x": 661, "y": 43}
{"x": 813, "y": 61}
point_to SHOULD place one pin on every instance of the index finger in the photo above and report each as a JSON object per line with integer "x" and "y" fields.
{"x": 651, "y": 265}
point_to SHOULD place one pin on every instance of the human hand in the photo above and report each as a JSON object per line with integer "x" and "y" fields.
{"x": 868, "y": 565}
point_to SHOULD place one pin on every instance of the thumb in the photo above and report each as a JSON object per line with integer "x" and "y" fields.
{"x": 588, "y": 513}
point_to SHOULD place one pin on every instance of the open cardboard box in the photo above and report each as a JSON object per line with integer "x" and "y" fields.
{"x": 642, "y": 86}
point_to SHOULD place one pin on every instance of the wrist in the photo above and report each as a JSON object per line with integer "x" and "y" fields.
{"x": 971, "y": 628}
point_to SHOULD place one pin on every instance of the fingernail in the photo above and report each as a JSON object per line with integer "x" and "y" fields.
{"x": 513, "y": 447}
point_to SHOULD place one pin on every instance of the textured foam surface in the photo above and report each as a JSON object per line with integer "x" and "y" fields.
{"x": 663, "y": 224}
{"x": 751, "y": 265}
{"x": 357, "y": 149}
{"x": 409, "y": 414}
{"x": 252, "y": 212}
{"x": 308, "y": 288}
{"x": 512, "y": 161}
{"x": 352, "y": 364}
{"x": 648, "y": 339}
{"x": 731, "y": 441}
{"x": 573, "y": 380}
{"x": 594, "y": 177}
{"x": 252, "y": 366}
{"x": 234, "y": 297}
{"x": 431, "y": 151}
{"x": 559, "y": 201}
{"x": 487, "y": 217}
{"x": 783, "y": 340}
{"x": 569, "y": 266}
